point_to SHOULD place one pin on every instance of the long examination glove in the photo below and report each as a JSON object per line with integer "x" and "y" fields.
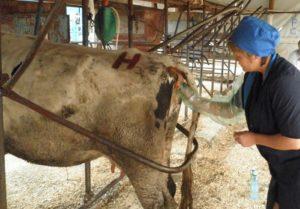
{"x": 224, "y": 109}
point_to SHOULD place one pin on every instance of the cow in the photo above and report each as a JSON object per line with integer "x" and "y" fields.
{"x": 133, "y": 104}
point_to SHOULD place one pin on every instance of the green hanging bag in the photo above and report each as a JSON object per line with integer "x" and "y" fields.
{"x": 106, "y": 24}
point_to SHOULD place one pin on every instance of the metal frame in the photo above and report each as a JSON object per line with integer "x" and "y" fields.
{"x": 207, "y": 38}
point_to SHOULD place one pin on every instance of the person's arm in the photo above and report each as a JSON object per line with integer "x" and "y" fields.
{"x": 278, "y": 141}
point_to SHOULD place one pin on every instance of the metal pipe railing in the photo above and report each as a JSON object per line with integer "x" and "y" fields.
{"x": 193, "y": 28}
{"x": 205, "y": 31}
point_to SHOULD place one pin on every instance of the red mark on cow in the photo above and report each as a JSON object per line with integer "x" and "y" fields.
{"x": 179, "y": 76}
{"x": 131, "y": 62}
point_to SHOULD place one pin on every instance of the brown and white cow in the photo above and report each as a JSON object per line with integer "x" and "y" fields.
{"x": 136, "y": 108}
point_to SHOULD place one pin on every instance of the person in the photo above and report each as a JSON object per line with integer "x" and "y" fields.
{"x": 294, "y": 57}
{"x": 271, "y": 100}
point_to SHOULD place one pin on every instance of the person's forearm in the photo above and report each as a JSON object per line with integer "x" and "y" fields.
{"x": 277, "y": 141}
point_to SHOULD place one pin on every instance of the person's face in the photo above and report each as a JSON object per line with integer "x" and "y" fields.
{"x": 248, "y": 63}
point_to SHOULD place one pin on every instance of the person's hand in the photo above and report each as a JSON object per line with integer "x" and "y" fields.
{"x": 245, "y": 138}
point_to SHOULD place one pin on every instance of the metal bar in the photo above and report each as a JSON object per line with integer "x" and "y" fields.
{"x": 266, "y": 11}
{"x": 85, "y": 23}
{"x": 235, "y": 62}
{"x": 281, "y": 12}
{"x": 102, "y": 140}
{"x": 186, "y": 110}
{"x": 38, "y": 17}
{"x": 196, "y": 33}
{"x": 166, "y": 5}
{"x": 88, "y": 185}
{"x": 222, "y": 67}
{"x": 261, "y": 14}
{"x": 229, "y": 58}
{"x": 200, "y": 31}
{"x": 178, "y": 22}
{"x": 207, "y": 91}
{"x": 225, "y": 37}
{"x": 130, "y": 23}
{"x": 202, "y": 59}
{"x": 222, "y": 22}
{"x": 3, "y": 201}
{"x": 31, "y": 54}
{"x": 85, "y": 42}
{"x": 101, "y": 193}
{"x": 255, "y": 11}
{"x": 213, "y": 65}
{"x": 193, "y": 28}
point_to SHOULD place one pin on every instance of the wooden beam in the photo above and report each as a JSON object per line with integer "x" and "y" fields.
{"x": 271, "y": 4}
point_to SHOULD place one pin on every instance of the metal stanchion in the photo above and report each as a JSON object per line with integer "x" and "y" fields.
{"x": 3, "y": 203}
{"x": 85, "y": 41}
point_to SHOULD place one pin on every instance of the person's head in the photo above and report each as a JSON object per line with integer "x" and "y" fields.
{"x": 249, "y": 62}
{"x": 252, "y": 42}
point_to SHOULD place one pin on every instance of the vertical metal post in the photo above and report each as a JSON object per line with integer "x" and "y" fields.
{"x": 166, "y": 6}
{"x": 85, "y": 24}
{"x": 186, "y": 111}
{"x": 235, "y": 62}
{"x": 130, "y": 23}
{"x": 85, "y": 42}
{"x": 223, "y": 61}
{"x": 38, "y": 17}
{"x": 88, "y": 187}
{"x": 202, "y": 60}
{"x": 213, "y": 61}
{"x": 3, "y": 203}
{"x": 229, "y": 58}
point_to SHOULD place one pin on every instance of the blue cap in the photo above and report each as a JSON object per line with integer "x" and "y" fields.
{"x": 255, "y": 36}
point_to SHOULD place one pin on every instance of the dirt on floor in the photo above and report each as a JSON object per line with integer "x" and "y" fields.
{"x": 221, "y": 177}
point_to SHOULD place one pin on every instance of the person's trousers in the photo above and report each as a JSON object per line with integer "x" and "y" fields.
{"x": 286, "y": 195}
